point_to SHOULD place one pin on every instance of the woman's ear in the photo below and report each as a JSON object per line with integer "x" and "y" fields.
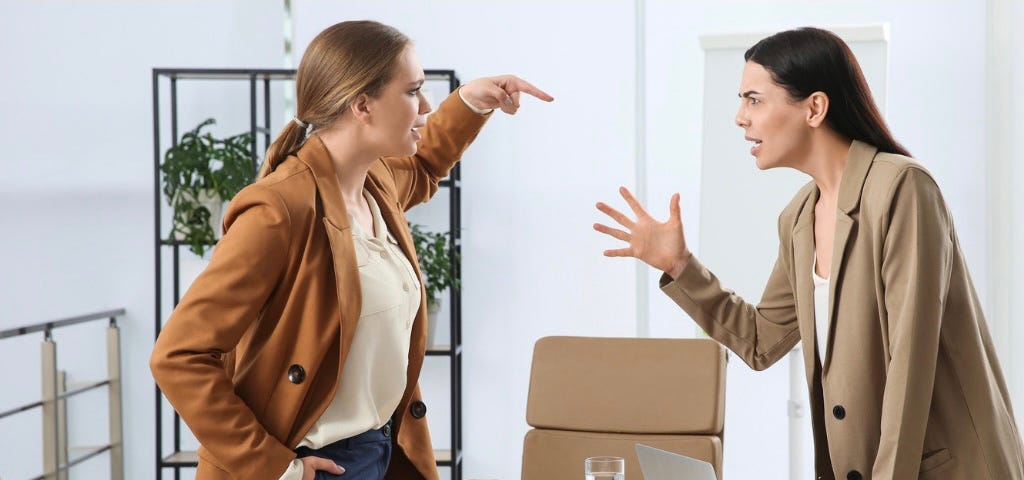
{"x": 360, "y": 108}
{"x": 817, "y": 109}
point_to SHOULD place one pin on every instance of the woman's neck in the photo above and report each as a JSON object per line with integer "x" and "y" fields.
{"x": 825, "y": 162}
{"x": 351, "y": 162}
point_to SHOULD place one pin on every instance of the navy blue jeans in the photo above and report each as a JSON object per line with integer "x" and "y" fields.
{"x": 364, "y": 456}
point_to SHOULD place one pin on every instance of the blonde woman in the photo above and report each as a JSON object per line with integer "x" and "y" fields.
{"x": 296, "y": 353}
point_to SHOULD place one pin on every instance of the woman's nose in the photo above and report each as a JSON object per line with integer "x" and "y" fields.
{"x": 741, "y": 118}
{"x": 424, "y": 104}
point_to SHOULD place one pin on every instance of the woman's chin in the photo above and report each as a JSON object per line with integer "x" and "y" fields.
{"x": 765, "y": 163}
{"x": 402, "y": 151}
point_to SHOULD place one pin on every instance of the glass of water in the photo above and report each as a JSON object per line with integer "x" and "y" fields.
{"x": 605, "y": 468}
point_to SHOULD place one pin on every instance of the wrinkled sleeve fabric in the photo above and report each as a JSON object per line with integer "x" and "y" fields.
{"x": 759, "y": 334}
{"x": 446, "y": 136}
{"x": 221, "y": 304}
{"x": 916, "y": 267}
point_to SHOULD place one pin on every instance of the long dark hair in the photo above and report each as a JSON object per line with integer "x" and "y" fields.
{"x": 808, "y": 60}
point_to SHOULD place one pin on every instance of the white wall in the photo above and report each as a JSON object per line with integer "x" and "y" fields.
{"x": 1015, "y": 132}
{"x": 76, "y": 193}
{"x": 76, "y": 129}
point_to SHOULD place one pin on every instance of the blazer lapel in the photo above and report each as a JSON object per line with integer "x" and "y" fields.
{"x": 339, "y": 234}
{"x": 858, "y": 162}
{"x": 803, "y": 258}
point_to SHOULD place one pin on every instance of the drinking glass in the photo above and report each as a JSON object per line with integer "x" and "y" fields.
{"x": 605, "y": 468}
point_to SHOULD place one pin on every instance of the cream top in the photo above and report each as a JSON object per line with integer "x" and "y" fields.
{"x": 373, "y": 378}
{"x": 821, "y": 320}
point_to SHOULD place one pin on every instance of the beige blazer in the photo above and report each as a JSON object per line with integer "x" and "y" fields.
{"x": 910, "y": 386}
{"x": 252, "y": 355}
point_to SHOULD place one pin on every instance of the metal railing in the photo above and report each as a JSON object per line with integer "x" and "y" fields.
{"x": 55, "y": 393}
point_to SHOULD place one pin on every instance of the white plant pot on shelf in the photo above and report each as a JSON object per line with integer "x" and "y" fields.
{"x": 432, "y": 310}
{"x": 213, "y": 203}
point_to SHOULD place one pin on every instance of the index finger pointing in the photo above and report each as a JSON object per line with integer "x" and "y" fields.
{"x": 520, "y": 85}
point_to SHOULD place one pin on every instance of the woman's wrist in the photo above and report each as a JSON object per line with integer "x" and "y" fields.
{"x": 477, "y": 110}
{"x": 679, "y": 265}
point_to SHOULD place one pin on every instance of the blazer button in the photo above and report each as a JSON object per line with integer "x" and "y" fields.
{"x": 853, "y": 475}
{"x": 418, "y": 409}
{"x": 296, "y": 374}
{"x": 839, "y": 412}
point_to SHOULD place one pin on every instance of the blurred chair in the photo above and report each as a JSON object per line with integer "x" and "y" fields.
{"x": 600, "y": 396}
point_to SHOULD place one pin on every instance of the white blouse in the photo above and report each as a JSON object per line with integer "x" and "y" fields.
{"x": 373, "y": 378}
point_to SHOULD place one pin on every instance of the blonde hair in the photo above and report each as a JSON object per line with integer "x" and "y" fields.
{"x": 344, "y": 61}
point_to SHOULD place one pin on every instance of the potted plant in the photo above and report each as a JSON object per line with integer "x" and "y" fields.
{"x": 435, "y": 254}
{"x": 200, "y": 174}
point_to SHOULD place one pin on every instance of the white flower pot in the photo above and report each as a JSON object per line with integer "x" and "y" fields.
{"x": 213, "y": 203}
{"x": 432, "y": 310}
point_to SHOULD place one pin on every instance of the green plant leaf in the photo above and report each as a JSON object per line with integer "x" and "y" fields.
{"x": 202, "y": 163}
{"x": 435, "y": 253}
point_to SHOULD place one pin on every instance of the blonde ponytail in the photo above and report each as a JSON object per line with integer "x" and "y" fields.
{"x": 287, "y": 143}
{"x": 343, "y": 61}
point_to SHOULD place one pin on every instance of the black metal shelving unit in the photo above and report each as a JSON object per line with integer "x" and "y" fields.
{"x": 259, "y": 83}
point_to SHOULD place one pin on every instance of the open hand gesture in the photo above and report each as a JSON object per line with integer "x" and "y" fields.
{"x": 661, "y": 245}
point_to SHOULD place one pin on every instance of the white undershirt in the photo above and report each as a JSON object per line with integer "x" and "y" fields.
{"x": 821, "y": 320}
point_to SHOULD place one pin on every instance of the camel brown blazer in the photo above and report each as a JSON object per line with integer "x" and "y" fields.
{"x": 910, "y": 386}
{"x": 252, "y": 355}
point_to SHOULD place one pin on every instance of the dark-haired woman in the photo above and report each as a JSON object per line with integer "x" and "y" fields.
{"x": 296, "y": 353}
{"x": 903, "y": 377}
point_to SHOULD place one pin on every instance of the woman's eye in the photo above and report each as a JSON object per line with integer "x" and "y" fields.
{"x": 414, "y": 92}
{"x": 754, "y": 101}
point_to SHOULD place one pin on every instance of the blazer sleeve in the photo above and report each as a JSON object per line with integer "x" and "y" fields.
{"x": 761, "y": 334}
{"x": 916, "y": 266}
{"x": 221, "y": 304}
{"x": 447, "y": 134}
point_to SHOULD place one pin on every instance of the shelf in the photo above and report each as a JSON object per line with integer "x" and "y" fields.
{"x": 191, "y": 459}
{"x": 180, "y": 243}
{"x": 443, "y": 457}
{"x": 181, "y": 459}
{"x": 443, "y": 351}
{"x": 225, "y": 73}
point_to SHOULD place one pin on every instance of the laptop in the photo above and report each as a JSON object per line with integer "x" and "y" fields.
{"x": 658, "y": 464}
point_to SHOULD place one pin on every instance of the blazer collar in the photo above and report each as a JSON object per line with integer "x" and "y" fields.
{"x": 858, "y": 162}
{"x": 315, "y": 155}
{"x": 855, "y": 173}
